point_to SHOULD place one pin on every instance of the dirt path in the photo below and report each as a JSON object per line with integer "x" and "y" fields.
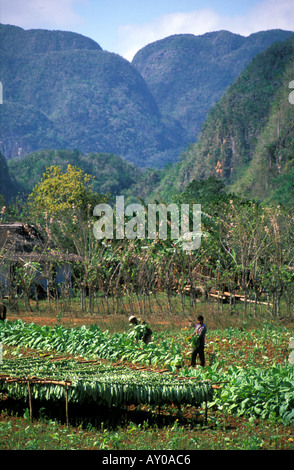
{"x": 80, "y": 320}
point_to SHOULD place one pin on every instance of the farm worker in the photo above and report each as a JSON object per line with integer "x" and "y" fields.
{"x": 146, "y": 333}
{"x": 199, "y": 332}
{"x": 2, "y": 311}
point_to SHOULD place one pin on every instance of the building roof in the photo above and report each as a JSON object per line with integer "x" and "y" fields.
{"x": 19, "y": 238}
{"x": 24, "y": 242}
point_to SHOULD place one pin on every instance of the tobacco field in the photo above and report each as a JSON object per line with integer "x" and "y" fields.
{"x": 247, "y": 372}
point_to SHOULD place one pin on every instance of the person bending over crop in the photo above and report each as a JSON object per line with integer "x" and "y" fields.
{"x": 2, "y": 311}
{"x": 198, "y": 341}
{"x": 143, "y": 331}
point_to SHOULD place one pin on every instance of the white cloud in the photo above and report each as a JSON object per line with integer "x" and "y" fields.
{"x": 267, "y": 14}
{"x": 132, "y": 37}
{"x": 62, "y": 14}
{"x": 39, "y": 14}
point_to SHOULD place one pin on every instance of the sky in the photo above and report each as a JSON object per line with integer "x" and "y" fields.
{"x": 125, "y": 26}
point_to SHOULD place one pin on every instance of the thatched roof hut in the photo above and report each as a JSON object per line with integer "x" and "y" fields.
{"x": 23, "y": 242}
{"x": 17, "y": 238}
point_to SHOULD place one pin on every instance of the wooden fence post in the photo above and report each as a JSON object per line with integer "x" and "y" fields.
{"x": 30, "y": 401}
{"x": 66, "y": 404}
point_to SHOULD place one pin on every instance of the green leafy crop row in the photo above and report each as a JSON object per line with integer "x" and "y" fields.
{"x": 257, "y": 392}
{"x": 90, "y": 342}
{"x": 251, "y": 390}
{"x": 102, "y": 384}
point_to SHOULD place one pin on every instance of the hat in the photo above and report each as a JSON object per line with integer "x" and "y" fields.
{"x": 132, "y": 317}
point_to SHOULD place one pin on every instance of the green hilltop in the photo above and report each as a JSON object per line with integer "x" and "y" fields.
{"x": 62, "y": 91}
{"x": 248, "y": 138}
{"x": 71, "y": 94}
{"x": 188, "y": 74}
{"x": 129, "y": 124}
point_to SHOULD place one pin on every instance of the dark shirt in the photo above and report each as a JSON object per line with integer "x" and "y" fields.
{"x": 200, "y": 330}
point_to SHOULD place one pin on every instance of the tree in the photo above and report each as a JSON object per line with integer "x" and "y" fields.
{"x": 62, "y": 205}
{"x": 58, "y": 192}
{"x": 208, "y": 191}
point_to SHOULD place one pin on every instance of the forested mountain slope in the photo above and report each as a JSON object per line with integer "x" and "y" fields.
{"x": 112, "y": 174}
{"x": 62, "y": 91}
{"x": 188, "y": 74}
{"x": 7, "y": 185}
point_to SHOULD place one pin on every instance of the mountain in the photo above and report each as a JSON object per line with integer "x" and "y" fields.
{"x": 248, "y": 138}
{"x": 61, "y": 90}
{"x": 16, "y": 41}
{"x": 112, "y": 174}
{"x": 188, "y": 74}
{"x": 7, "y": 184}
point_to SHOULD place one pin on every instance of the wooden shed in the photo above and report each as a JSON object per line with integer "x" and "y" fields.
{"x": 22, "y": 245}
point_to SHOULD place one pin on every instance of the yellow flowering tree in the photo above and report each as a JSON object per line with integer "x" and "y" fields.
{"x": 62, "y": 204}
{"x": 58, "y": 192}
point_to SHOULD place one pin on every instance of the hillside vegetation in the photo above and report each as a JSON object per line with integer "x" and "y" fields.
{"x": 188, "y": 74}
{"x": 77, "y": 98}
{"x": 62, "y": 91}
{"x": 247, "y": 140}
